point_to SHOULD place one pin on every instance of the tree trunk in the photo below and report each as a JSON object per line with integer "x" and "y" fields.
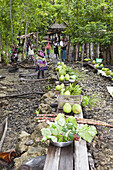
{"x": 24, "y": 47}
{"x": 77, "y": 50}
{"x": 37, "y": 40}
{"x": 112, "y": 53}
{"x": 108, "y": 55}
{"x": 97, "y": 50}
{"x": 104, "y": 55}
{"x": 73, "y": 53}
{"x": 82, "y": 52}
{"x": 87, "y": 50}
{"x": 92, "y": 51}
{"x": 6, "y": 52}
{"x": 69, "y": 49}
{"x": 20, "y": 23}
{"x": 1, "y": 48}
{"x": 11, "y": 20}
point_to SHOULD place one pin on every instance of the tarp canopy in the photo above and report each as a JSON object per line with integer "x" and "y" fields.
{"x": 28, "y": 35}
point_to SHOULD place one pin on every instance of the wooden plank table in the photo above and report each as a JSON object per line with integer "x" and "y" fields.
{"x": 59, "y": 158}
{"x": 80, "y": 151}
{"x": 110, "y": 90}
{"x": 72, "y": 157}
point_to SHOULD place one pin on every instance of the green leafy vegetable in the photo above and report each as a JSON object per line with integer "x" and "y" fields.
{"x": 87, "y": 100}
{"x": 65, "y": 130}
{"x": 87, "y": 132}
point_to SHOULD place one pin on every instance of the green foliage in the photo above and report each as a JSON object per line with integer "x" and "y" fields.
{"x": 87, "y": 21}
{"x": 6, "y": 59}
{"x": 87, "y": 100}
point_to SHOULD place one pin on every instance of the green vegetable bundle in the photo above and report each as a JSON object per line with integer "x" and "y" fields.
{"x": 63, "y": 130}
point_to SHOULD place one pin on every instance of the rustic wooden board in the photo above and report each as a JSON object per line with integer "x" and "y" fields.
{"x": 80, "y": 156}
{"x": 110, "y": 90}
{"x": 33, "y": 80}
{"x": 52, "y": 159}
{"x": 80, "y": 152}
{"x": 27, "y": 75}
{"x": 66, "y": 158}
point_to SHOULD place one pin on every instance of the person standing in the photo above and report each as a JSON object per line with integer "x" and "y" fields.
{"x": 48, "y": 47}
{"x": 64, "y": 49}
{"x": 31, "y": 52}
{"x": 61, "y": 45}
{"x": 41, "y": 63}
{"x": 56, "y": 47}
{"x": 14, "y": 55}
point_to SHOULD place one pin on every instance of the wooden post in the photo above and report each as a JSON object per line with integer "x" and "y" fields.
{"x": 108, "y": 55}
{"x": 11, "y": 19}
{"x": 97, "y": 49}
{"x": 82, "y": 52}
{"x": 37, "y": 40}
{"x": 1, "y": 48}
{"x": 87, "y": 50}
{"x": 24, "y": 47}
{"x": 111, "y": 53}
{"x": 69, "y": 47}
{"x": 104, "y": 55}
{"x": 74, "y": 50}
{"x": 92, "y": 50}
{"x": 77, "y": 50}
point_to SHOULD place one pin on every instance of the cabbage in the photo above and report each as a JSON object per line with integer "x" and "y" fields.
{"x": 62, "y": 78}
{"x": 67, "y": 77}
{"x": 67, "y": 92}
{"x": 62, "y": 72}
{"x": 58, "y": 87}
{"x": 73, "y": 77}
{"x": 58, "y": 63}
{"x": 62, "y": 85}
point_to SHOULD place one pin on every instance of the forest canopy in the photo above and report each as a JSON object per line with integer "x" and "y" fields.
{"x": 87, "y": 20}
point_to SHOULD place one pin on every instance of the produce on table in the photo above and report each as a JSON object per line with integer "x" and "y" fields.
{"x": 111, "y": 74}
{"x": 62, "y": 85}
{"x": 62, "y": 72}
{"x": 106, "y": 69}
{"x": 74, "y": 89}
{"x": 63, "y": 130}
{"x": 86, "y": 100}
{"x": 76, "y": 108}
{"x": 58, "y": 87}
{"x": 62, "y": 90}
{"x": 93, "y": 62}
{"x": 73, "y": 77}
{"x": 103, "y": 69}
{"x": 107, "y": 72}
{"x": 62, "y": 78}
{"x": 67, "y": 92}
{"x": 87, "y": 59}
{"x": 67, "y": 77}
{"x": 101, "y": 65}
{"x": 97, "y": 66}
{"x": 67, "y": 108}
{"x": 58, "y": 63}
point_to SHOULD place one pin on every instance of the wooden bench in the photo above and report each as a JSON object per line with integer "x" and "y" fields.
{"x": 72, "y": 157}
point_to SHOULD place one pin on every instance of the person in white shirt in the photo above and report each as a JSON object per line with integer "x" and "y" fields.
{"x": 61, "y": 45}
{"x": 56, "y": 44}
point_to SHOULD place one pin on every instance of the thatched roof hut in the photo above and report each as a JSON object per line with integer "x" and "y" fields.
{"x": 55, "y": 27}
